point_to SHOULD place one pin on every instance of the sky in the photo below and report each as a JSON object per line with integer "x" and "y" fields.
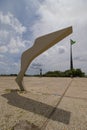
{"x": 22, "y": 21}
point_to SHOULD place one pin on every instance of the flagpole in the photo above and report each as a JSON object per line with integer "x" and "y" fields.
{"x": 71, "y": 58}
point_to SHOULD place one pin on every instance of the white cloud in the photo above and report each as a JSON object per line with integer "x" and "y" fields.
{"x": 61, "y": 49}
{"x": 2, "y": 63}
{"x": 10, "y": 20}
{"x": 11, "y": 34}
{"x": 15, "y": 45}
{"x": 1, "y": 56}
{"x": 3, "y": 49}
{"x": 3, "y": 34}
{"x": 56, "y": 14}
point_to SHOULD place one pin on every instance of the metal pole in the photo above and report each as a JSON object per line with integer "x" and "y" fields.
{"x": 71, "y": 58}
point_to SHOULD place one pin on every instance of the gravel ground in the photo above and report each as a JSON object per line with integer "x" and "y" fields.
{"x": 48, "y": 104}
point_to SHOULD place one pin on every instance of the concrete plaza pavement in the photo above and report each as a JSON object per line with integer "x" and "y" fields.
{"x": 49, "y": 103}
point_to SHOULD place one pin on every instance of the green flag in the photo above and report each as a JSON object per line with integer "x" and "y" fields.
{"x": 72, "y": 42}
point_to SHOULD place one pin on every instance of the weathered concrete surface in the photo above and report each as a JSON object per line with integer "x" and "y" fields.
{"x": 37, "y": 105}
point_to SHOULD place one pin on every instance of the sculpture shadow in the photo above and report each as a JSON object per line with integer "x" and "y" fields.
{"x": 37, "y": 107}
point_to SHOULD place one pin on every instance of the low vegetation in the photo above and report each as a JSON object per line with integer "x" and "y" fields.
{"x": 67, "y": 73}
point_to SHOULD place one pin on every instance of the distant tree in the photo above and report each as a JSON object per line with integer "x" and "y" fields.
{"x": 79, "y": 73}
{"x": 67, "y": 73}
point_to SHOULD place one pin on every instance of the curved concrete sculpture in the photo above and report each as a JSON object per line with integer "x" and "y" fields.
{"x": 41, "y": 44}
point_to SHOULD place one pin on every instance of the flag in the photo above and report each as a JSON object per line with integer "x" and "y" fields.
{"x": 72, "y": 42}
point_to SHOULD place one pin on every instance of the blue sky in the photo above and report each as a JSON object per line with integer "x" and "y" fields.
{"x": 21, "y": 21}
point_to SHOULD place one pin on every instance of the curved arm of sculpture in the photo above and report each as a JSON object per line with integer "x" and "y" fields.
{"x": 41, "y": 44}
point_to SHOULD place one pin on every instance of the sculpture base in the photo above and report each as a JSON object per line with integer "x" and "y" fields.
{"x": 20, "y": 84}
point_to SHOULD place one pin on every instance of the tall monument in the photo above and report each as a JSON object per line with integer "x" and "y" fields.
{"x": 40, "y": 45}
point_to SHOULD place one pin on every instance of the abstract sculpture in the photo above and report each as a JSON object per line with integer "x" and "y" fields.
{"x": 41, "y": 44}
